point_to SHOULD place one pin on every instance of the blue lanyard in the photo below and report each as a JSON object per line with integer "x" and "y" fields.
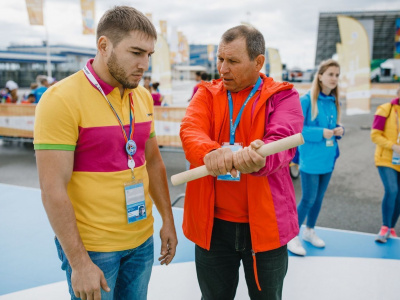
{"x": 233, "y": 126}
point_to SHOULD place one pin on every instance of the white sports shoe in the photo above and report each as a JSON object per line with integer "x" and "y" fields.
{"x": 310, "y": 236}
{"x": 296, "y": 247}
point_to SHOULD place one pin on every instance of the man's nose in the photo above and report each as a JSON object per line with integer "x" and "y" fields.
{"x": 223, "y": 68}
{"x": 144, "y": 63}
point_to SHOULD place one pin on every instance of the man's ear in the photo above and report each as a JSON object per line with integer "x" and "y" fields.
{"x": 103, "y": 45}
{"x": 260, "y": 59}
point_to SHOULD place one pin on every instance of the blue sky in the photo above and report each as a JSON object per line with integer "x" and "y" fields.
{"x": 290, "y": 26}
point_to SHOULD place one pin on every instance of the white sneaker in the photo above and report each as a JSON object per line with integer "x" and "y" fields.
{"x": 310, "y": 236}
{"x": 296, "y": 247}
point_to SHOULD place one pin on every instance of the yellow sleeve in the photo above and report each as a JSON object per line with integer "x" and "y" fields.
{"x": 56, "y": 126}
{"x": 378, "y": 127}
{"x": 378, "y": 137}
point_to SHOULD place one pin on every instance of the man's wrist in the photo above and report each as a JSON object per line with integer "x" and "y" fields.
{"x": 80, "y": 262}
{"x": 168, "y": 220}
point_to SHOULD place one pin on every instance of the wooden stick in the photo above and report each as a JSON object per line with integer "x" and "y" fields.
{"x": 265, "y": 150}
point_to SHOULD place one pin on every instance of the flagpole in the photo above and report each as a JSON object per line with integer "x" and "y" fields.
{"x": 48, "y": 53}
{"x": 48, "y": 65}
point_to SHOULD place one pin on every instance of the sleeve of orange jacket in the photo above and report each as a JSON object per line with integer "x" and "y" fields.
{"x": 197, "y": 126}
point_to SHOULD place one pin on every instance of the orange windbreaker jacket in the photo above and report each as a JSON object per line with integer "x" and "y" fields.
{"x": 271, "y": 198}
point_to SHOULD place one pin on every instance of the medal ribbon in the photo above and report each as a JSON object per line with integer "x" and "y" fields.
{"x": 132, "y": 110}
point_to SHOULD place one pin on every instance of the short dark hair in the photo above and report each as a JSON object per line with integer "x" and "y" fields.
{"x": 198, "y": 73}
{"x": 204, "y": 76}
{"x": 255, "y": 42}
{"x": 119, "y": 21}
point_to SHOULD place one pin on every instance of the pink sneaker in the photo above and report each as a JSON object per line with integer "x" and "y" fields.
{"x": 392, "y": 232}
{"x": 383, "y": 235}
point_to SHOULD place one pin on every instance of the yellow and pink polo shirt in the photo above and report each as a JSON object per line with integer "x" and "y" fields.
{"x": 74, "y": 116}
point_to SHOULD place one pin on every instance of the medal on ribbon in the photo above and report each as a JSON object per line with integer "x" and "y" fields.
{"x": 130, "y": 147}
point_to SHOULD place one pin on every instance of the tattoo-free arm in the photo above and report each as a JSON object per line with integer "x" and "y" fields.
{"x": 55, "y": 171}
{"x": 158, "y": 188}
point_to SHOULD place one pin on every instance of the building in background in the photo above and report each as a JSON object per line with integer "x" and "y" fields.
{"x": 379, "y": 25}
{"x": 200, "y": 56}
{"x": 23, "y": 63}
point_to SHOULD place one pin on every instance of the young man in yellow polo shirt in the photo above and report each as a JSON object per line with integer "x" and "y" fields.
{"x": 98, "y": 164}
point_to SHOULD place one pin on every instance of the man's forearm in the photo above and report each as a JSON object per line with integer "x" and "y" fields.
{"x": 62, "y": 219}
{"x": 158, "y": 189}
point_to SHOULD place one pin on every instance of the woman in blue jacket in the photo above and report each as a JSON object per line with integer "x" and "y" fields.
{"x": 321, "y": 110}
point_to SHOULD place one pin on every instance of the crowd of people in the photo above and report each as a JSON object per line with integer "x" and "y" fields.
{"x": 9, "y": 94}
{"x": 243, "y": 214}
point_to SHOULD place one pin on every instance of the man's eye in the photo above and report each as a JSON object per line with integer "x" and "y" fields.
{"x": 137, "y": 53}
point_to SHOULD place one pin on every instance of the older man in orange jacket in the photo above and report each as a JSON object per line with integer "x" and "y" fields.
{"x": 248, "y": 214}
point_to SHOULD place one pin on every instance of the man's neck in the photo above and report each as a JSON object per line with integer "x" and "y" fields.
{"x": 101, "y": 70}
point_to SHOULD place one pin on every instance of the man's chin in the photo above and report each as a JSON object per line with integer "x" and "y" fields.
{"x": 227, "y": 86}
{"x": 131, "y": 85}
{"x": 230, "y": 88}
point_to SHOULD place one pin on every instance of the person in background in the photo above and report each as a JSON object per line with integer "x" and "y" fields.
{"x": 204, "y": 76}
{"x": 30, "y": 96}
{"x": 321, "y": 110}
{"x": 248, "y": 218}
{"x": 5, "y": 96}
{"x": 51, "y": 81}
{"x": 44, "y": 85}
{"x": 157, "y": 97}
{"x": 385, "y": 134}
{"x": 199, "y": 77}
{"x": 10, "y": 93}
{"x": 147, "y": 83}
{"x": 33, "y": 87}
{"x": 30, "y": 99}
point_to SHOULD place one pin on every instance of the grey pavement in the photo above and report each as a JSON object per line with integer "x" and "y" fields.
{"x": 352, "y": 201}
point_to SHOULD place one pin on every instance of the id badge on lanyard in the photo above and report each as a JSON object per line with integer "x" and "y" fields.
{"x": 329, "y": 142}
{"x": 228, "y": 177}
{"x": 135, "y": 201}
{"x": 395, "y": 158}
{"x": 233, "y": 126}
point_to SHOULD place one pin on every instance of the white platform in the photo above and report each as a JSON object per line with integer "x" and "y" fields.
{"x": 352, "y": 266}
